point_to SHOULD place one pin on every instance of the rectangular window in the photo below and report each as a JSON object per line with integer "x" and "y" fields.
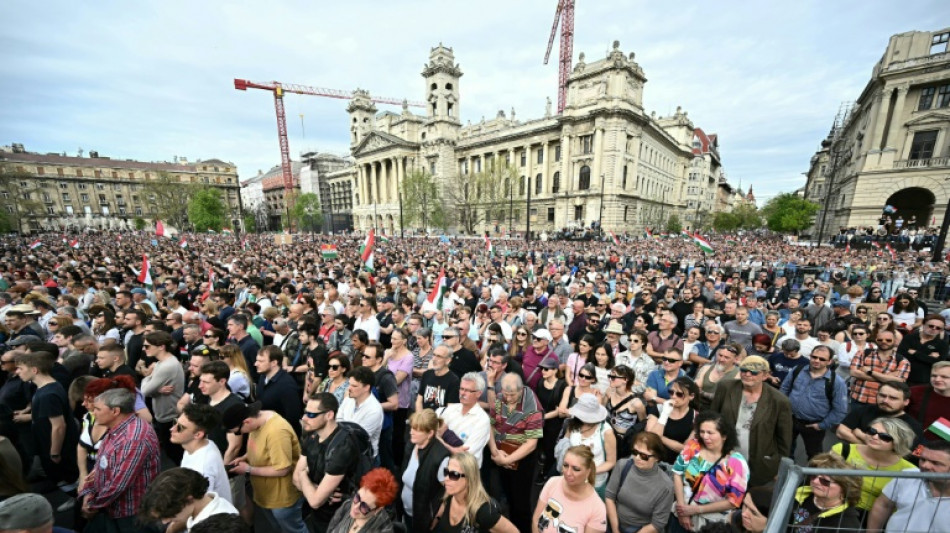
{"x": 540, "y": 155}
{"x": 524, "y": 158}
{"x": 926, "y": 98}
{"x": 65, "y": 196}
{"x": 81, "y": 186}
{"x": 939, "y": 43}
{"x": 587, "y": 144}
{"x": 40, "y": 170}
{"x": 557, "y": 153}
{"x": 63, "y": 185}
{"x": 923, "y": 145}
{"x": 100, "y": 186}
{"x": 98, "y": 173}
{"x": 78, "y": 172}
{"x": 943, "y": 96}
{"x": 84, "y": 197}
{"x": 121, "y": 209}
{"x": 138, "y": 211}
{"x": 117, "y": 186}
{"x": 50, "y": 210}
{"x": 550, "y": 214}
{"x": 102, "y": 199}
{"x": 131, "y": 175}
{"x": 115, "y": 175}
{"x": 69, "y": 210}
{"x": 46, "y": 198}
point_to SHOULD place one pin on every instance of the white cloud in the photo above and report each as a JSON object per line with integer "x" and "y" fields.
{"x": 152, "y": 80}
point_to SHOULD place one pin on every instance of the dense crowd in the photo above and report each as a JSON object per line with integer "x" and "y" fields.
{"x": 211, "y": 382}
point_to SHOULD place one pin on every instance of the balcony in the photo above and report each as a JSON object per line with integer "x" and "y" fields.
{"x": 933, "y": 162}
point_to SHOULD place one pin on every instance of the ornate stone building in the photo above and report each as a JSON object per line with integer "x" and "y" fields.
{"x": 53, "y": 192}
{"x": 604, "y": 158}
{"x": 892, "y": 146}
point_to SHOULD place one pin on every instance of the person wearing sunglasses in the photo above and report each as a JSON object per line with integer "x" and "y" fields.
{"x": 165, "y": 385}
{"x": 827, "y": 503}
{"x": 892, "y": 399}
{"x": 658, "y": 382}
{"x": 367, "y": 509}
{"x": 337, "y": 382}
{"x": 569, "y": 502}
{"x": 760, "y": 414}
{"x": 889, "y": 440}
{"x": 874, "y": 368}
{"x": 466, "y": 506}
{"x": 639, "y": 493}
{"x": 923, "y": 348}
{"x": 191, "y": 431}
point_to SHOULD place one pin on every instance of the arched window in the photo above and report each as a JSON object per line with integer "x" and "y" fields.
{"x": 584, "y": 182}
{"x": 537, "y": 184}
{"x": 434, "y": 86}
{"x": 556, "y": 183}
{"x": 448, "y": 86}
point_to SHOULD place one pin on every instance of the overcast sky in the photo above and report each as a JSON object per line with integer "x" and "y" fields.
{"x": 150, "y": 80}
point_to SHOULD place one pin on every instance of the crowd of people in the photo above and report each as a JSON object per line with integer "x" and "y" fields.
{"x": 213, "y": 382}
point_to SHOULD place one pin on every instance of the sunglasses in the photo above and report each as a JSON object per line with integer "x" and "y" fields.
{"x": 333, "y": 367}
{"x": 748, "y": 371}
{"x": 885, "y": 437}
{"x": 312, "y": 415}
{"x": 448, "y": 336}
{"x": 642, "y": 456}
{"x": 614, "y": 376}
{"x": 677, "y": 394}
{"x": 712, "y": 333}
{"x": 208, "y": 336}
{"x": 452, "y": 474}
{"x": 522, "y": 334}
{"x": 824, "y": 481}
{"x": 361, "y": 505}
{"x": 179, "y": 428}
{"x": 820, "y": 359}
{"x": 585, "y": 376}
{"x": 671, "y": 359}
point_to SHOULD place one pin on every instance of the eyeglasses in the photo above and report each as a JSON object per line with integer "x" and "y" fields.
{"x": 857, "y": 333}
{"x": 208, "y": 336}
{"x": 885, "y": 437}
{"x": 749, "y": 371}
{"x": 861, "y": 312}
{"x": 448, "y": 337}
{"x": 363, "y": 507}
{"x": 179, "y": 428}
{"x": 641, "y": 455}
{"x": 713, "y": 333}
{"x": 334, "y": 367}
{"x": 824, "y": 481}
{"x": 454, "y": 475}
{"x": 614, "y": 376}
{"x": 522, "y": 334}
{"x": 820, "y": 359}
{"x": 311, "y": 415}
{"x": 51, "y": 323}
{"x": 888, "y": 341}
{"x": 585, "y": 376}
{"x": 678, "y": 393}
{"x": 144, "y": 346}
{"x": 671, "y": 359}
{"x": 934, "y": 326}
{"x": 545, "y": 368}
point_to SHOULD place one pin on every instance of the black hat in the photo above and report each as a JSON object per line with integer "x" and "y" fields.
{"x": 234, "y": 417}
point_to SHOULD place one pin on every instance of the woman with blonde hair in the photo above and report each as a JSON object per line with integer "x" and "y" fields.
{"x": 466, "y": 506}
{"x": 569, "y": 502}
{"x": 513, "y": 316}
{"x": 240, "y": 381}
{"x": 422, "y": 470}
{"x": 520, "y": 340}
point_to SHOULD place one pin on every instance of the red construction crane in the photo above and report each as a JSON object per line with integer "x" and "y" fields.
{"x": 564, "y": 15}
{"x": 279, "y": 89}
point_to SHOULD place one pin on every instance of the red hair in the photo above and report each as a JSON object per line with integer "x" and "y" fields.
{"x": 382, "y": 483}
{"x": 98, "y": 386}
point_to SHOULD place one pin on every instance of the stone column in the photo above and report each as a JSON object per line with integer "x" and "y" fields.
{"x": 898, "y": 132}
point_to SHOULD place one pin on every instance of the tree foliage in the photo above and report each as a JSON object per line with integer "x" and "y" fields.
{"x": 673, "y": 224}
{"x": 487, "y": 197}
{"x": 306, "y": 212}
{"x": 16, "y": 199}
{"x": 422, "y": 201}
{"x": 250, "y": 223}
{"x": 743, "y": 216}
{"x": 206, "y": 210}
{"x": 788, "y": 212}
{"x": 169, "y": 198}
{"x": 139, "y": 223}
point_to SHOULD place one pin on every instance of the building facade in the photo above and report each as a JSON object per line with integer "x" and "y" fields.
{"x": 888, "y": 154}
{"x": 55, "y": 192}
{"x": 336, "y": 195}
{"x": 603, "y": 161}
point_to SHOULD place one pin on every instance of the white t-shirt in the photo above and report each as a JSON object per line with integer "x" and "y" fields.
{"x": 216, "y": 506}
{"x": 473, "y": 428}
{"x": 370, "y": 326}
{"x": 917, "y": 509}
{"x": 369, "y": 415}
{"x": 207, "y": 461}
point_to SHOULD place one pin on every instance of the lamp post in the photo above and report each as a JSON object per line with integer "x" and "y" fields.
{"x": 600, "y": 217}
{"x": 527, "y": 230}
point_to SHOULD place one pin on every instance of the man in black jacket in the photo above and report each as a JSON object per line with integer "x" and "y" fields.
{"x": 276, "y": 389}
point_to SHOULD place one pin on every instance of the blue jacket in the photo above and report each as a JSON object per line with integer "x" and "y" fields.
{"x": 810, "y": 401}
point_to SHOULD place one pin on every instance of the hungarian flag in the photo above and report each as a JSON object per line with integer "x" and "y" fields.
{"x": 366, "y": 251}
{"x": 731, "y": 242}
{"x": 686, "y": 234}
{"x": 212, "y": 278}
{"x": 244, "y": 243}
{"x": 36, "y": 244}
{"x": 145, "y": 275}
{"x": 876, "y": 244}
{"x": 74, "y": 243}
{"x": 227, "y": 231}
{"x": 438, "y": 291}
{"x": 702, "y": 243}
{"x": 940, "y": 428}
{"x": 488, "y": 247}
{"x": 614, "y": 238}
{"x": 183, "y": 243}
{"x": 530, "y": 273}
{"x": 329, "y": 251}
{"x": 383, "y": 239}
{"x": 159, "y": 229}
{"x": 892, "y": 251}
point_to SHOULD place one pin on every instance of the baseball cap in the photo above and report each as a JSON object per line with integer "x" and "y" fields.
{"x": 139, "y": 290}
{"x": 755, "y": 364}
{"x": 543, "y": 334}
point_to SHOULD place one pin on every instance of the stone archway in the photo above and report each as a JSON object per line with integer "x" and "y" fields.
{"x": 916, "y": 202}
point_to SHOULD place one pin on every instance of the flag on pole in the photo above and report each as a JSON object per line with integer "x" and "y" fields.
{"x": 488, "y": 247}
{"x": 940, "y": 428}
{"x": 531, "y": 276}
{"x": 329, "y": 251}
{"x": 438, "y": 291}
{"x": 366, "y": 251}
{"x": 383, "y": 239}
{"x": 183, "y": 243}
{"x": 74, "y": 243}
{"x": 891, "y": 251}
{"x": 686, "y": 234}
{"x": 731, "y": 242}
{"x": 36, "y": 244}
{"x": 159, "y": 229}
{"x": 703, "y": 244}
{"x": 145, "y": 275}
{"x": 227, "y": 231}
{"x": 614, "y": 238}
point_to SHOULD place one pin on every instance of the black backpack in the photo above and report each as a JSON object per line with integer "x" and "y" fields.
{"x": 829, "y": 384}
{"x": 357, "y": 439}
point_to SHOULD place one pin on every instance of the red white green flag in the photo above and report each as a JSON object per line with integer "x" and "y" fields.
{"x": 329, "y": 251}
{"x": 36, "y": 244}
{"x": 488, "y": 247}
{"x": 74, "y": 243}
{"x": 891, "y": 251}
{"x": 183, "y": 243}
{"x": 438, "y": 291}
{"x": 703, "y": 244}
{"x": 614, "y": 238}
{"x": 145, "y": 275}
{"x": 941, "y": 428}
{"x": 367, "y": 250}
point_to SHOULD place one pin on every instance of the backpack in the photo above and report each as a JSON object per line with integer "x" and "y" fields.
{"x": 829, "y": 385}
{"x": 356, "y": 438}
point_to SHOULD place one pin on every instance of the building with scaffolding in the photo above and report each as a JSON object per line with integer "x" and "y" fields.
{"x": 886, "y": 161}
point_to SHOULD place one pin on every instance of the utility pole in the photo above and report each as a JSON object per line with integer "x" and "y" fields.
{"x": 600, "y": 217}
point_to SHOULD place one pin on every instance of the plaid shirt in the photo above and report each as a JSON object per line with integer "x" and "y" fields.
{"x": 128, "y": 460}
{"x": 865, "y": 391}
{"x": 521, "y": 424}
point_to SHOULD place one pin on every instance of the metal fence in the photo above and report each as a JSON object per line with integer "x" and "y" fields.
{"x": 792, "y": 476}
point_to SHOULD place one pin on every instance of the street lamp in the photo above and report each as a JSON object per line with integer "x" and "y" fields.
{"x": 309, "y": 210}
{"x": 600, "y": 218}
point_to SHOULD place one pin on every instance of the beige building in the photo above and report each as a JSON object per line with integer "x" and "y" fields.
{"x": 605, "y": 158}
{"x": 892, "y": 146}
{"x": 53, "y": 192}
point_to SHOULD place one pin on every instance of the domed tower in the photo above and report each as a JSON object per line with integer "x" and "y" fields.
{"x": 442, "y": 75}
{"x": 362, "y": 112}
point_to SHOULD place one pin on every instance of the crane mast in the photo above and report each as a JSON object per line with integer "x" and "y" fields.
{"x": 565, "y": 16}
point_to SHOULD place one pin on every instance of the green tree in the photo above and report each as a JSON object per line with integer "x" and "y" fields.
{"x": 139, "y": 223}
{"x": 487, "y": 197}
{"x": 206, "y": 210}
{"x": 18, "y": 203}
{"x": 169, "y": 198}
{"x": 422, "y": 202}
{"x": 250, "y": 223}
{"x": 789, "y": 213}
{"x": 7, "y": 223}
{"x": 726, "y": 222}
{"x": 748, "y": 216}
{"x": 306, "y": 212}
{"x": 673, "y": 224}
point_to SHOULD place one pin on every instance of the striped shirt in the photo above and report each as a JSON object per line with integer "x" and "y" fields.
{"x": 127, "y": 462}
{"x": 865, "y": 391}
{"x": 520, "y": 424}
